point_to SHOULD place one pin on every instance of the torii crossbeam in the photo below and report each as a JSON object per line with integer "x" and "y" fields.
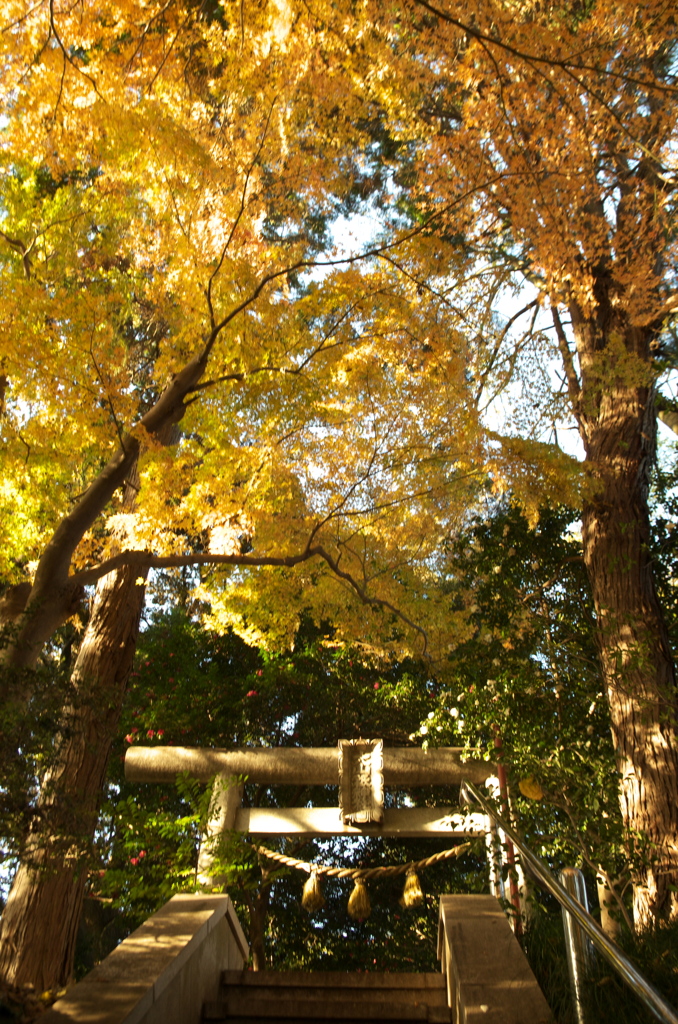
{"x": 402, "y": 767}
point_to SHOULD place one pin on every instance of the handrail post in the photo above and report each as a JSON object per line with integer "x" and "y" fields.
{"x": 517, "y": 922}
{"x": 577, "y": 945}
{"x": 493, "y": 846}
{"x": 494, "y": 859}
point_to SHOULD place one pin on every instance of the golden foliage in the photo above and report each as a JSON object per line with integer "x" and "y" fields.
{"x": 163, "y": 167}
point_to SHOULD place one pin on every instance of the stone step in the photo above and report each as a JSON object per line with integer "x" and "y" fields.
{"x": 367, "y": 997}
{"x": 429, "y": 988}
{"x": 372, "y": 997}
{"x": 322, "y": 1010}
{"x": 214, "y": 1013}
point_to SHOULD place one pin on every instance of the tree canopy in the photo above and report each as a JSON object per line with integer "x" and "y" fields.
{"x": 199, "y": 376}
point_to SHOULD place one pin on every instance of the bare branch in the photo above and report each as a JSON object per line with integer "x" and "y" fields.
{"x": 145, "y": 32}
{"x": 573, "y": 385}
{"x": 239, "y": 215}
{"x": 23, "y": 250}
{"x": 145, "y": 560}
{"x": 169, "y": 50}
{"x": 24, "y": 17}
{"x": 568, "y": 66}
{"x": 499, "y": 342}
{"x": 67, "y": 59}
{"x": 109, "y": 401}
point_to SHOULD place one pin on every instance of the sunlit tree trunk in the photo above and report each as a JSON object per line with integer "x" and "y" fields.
{"x": 617, "y": 423}
{"x": 40, "y": 921}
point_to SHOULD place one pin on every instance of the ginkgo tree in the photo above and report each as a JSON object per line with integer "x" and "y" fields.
{"x": 176, "y": 393}
{"x": 544, "y": 138}
{"x": 192, "y": 376}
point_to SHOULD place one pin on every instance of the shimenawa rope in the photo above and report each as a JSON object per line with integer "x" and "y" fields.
{"x": 359, "y": 901}
{"x": 363, "y": 873}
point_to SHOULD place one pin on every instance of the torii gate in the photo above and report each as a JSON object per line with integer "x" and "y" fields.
{"x": 361, "y": 768}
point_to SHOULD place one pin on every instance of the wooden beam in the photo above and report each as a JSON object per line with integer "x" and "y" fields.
{"x": 404, "y": 822}
{"x": 403, "y": 766}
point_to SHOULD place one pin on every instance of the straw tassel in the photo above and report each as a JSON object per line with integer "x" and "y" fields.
{"x": 312, "y": 898}
{"x": 359, "y": 901}
{"x": 412, "y": 893}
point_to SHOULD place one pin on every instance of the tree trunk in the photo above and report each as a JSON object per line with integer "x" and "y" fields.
{"x": 259, "y": 904}
{"x": 40, "y": 920}
{"x": 617, "y": 424}
{"x": 55, "y": 593}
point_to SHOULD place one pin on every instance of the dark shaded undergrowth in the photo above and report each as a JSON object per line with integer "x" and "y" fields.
{"x": 608, "y": 999}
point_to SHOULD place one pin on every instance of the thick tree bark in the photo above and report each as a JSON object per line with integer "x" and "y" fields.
{"x": 617, "y": 423}
{"x": 40, "y": 921}
{"x": 258, "y": 907}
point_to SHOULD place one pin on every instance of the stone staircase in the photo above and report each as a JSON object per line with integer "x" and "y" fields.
{"x": 184, "y": 965}
{"x": 281, "y": 997}
{"x": 485, "y": 979}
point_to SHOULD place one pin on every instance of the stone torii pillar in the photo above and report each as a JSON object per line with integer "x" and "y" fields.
{"x": 224, "y": 805}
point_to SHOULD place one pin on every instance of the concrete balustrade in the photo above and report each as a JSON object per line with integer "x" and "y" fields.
{"x": 164, "y": 971}
{"x": 489, "y": 980}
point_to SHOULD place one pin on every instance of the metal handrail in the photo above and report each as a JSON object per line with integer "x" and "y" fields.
{"x": 646, "y": 992}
